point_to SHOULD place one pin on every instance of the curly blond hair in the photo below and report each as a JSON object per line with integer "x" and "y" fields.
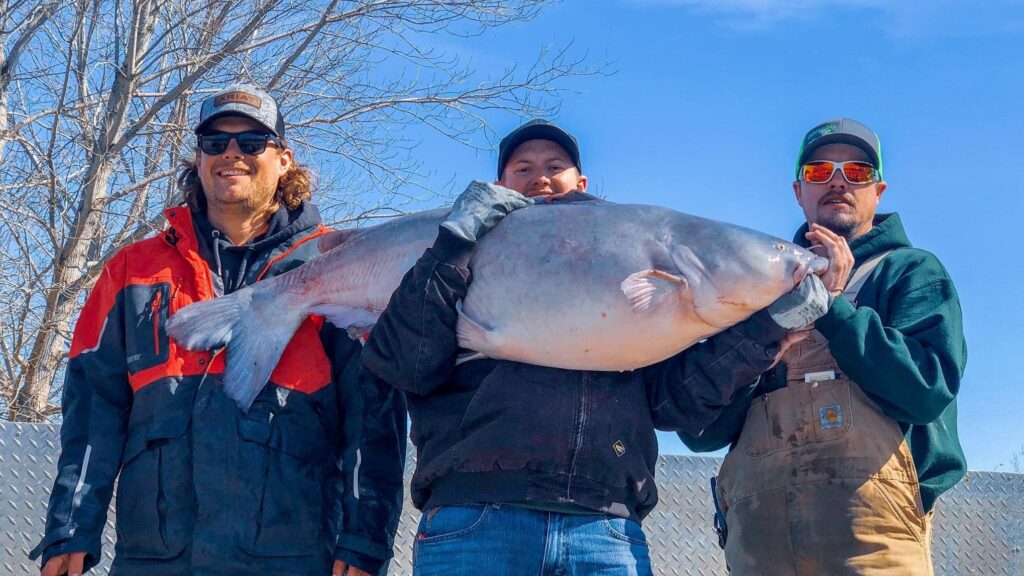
{"x": 296, "y": 185}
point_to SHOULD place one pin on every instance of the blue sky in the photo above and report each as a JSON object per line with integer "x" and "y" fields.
{"x": 705, "y": 102}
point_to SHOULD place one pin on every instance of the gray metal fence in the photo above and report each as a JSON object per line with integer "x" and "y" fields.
{"x": 979, "y": 525}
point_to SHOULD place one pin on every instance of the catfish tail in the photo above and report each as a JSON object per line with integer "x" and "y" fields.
{"x": 247, "y": 323}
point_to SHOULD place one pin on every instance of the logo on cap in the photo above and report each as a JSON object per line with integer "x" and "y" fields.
{"x": 238, "y": 97}
{"x": 822, "y": 130}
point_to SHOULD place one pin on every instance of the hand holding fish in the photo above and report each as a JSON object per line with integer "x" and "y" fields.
{"x": 839, "y": 256}
{"x": 802, "y": 305}
{"x": 480, "y": 207}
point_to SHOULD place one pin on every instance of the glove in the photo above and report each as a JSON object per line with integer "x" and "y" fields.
{"x": 801, "y": 306}
{"x": 480, "y": 207}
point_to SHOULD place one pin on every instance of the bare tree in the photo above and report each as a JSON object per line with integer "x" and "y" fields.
{"x": 95, "y": 102}
{"x": 1017, "y": 461}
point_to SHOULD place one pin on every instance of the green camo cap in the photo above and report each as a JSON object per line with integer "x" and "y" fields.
{"x": 842, "y": 131}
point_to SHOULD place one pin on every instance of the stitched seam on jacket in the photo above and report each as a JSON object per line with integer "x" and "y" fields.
{"x": 422, "y": 326}
{"x": 705, "y": 369}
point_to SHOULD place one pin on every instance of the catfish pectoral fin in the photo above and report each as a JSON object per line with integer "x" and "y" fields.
{"x": 650, "y": 290}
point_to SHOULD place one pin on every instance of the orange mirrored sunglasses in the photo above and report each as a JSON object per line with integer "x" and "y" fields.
{"x": 821, "y": 171}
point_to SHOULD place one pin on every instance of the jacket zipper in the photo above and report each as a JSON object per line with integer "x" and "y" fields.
{"x": 577, "y": 440}
{"x": 154, "y": 307}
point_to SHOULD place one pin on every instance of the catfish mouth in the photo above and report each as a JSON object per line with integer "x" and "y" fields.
{"x": 816, "y": 265}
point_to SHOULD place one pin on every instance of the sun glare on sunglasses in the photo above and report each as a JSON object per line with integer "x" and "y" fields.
{"x": 854, "y": 172}
{"x": 251, "y": 142}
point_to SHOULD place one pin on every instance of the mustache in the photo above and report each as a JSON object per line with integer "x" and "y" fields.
{"x": 843, "y": 197}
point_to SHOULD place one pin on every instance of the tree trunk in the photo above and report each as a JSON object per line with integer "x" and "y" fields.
{"x": 31, "y": 402}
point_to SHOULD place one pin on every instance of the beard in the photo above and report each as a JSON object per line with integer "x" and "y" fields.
{"x": 261, "y": 196}
{"x": 841, "y": 224}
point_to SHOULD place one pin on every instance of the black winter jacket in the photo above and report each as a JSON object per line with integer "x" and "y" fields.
{"x": 500, "y": 431}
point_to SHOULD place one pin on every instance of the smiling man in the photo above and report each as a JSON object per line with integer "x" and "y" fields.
{"x": 539, "y": 159}
{"x": 839, "y": 454}
{"x": 525, "y": 469}
{"x": 308, "y": 480}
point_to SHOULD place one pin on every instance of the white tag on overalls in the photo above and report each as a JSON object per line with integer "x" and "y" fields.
{"x": 820, "y": 376}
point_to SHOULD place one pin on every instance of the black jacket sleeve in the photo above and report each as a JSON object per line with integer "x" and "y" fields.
{"x": 368, "y": 490}
{"x": 725, "y": 430}
{"x": 413, "y": 346}
{"x": 688, "y": 391}
{"x": 96, "y": 403}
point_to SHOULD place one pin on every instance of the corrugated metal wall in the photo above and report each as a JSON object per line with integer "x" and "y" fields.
{"x": 979, "y": 525}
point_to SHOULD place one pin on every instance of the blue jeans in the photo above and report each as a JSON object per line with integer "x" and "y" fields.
{"x": 499, "y": 540}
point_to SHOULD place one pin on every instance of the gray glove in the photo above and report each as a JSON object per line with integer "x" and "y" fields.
{"x": 480, "y": 207}
{"x": 802, "y": 305}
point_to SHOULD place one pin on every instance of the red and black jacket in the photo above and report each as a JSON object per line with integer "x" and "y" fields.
{"x": 204, "y": 486}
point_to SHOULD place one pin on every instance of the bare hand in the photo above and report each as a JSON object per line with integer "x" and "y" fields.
{"x": 840, "y": 258}
{"x": 341, "y": 567}
{"x": 70, "y": 564}
{"x": 789, "y": 340}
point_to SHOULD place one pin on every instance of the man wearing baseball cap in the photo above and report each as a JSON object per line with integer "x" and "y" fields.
{"x": 839, "y": 453}
{"x": 526, "y": 469}
{"x": 308, "y": 479}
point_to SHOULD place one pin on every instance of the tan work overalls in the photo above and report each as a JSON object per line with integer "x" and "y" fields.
{"x": 822, "y": 482}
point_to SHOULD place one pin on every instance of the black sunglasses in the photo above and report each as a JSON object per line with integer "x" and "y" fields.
{"x": 250, "y": 142}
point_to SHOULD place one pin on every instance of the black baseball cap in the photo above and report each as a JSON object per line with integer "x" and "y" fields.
{"x": 537, "y": 129}
{"x": 842, "y": 131}
{"x": 242, "y": 100}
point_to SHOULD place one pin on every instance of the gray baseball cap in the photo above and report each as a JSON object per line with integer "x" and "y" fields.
{"x": 537, "y": 129}
{"x": 242, "y": 100}
{"x": 841, "y": 131}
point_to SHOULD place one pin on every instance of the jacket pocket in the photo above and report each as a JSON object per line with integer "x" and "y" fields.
{"x": 154, "y": 492}
{"x": 799, "y": 415}
{"x": 283, "y": 469}
{"x": 832, "y": 409}
{"x": 147, "y": 307}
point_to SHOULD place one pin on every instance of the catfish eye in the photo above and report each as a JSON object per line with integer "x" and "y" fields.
{"x": 780, "y": 246}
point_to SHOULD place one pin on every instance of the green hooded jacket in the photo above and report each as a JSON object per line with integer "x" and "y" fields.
{"x": 902, "y": 342}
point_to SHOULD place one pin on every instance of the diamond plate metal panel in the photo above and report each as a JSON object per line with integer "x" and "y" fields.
{"x": 28, "y": 461}
{"x": 979, "y": 525}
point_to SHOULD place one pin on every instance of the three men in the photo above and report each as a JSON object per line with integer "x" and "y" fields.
{"x": 839, "y": 453}
{"x": 526, "y": 469}
{"x": 309, "y": 479}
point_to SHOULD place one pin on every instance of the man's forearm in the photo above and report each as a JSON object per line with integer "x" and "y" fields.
{"x": 688, "y": 391}
{"x": 413, "y": 345}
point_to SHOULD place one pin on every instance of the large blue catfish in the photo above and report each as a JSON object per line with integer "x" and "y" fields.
{"x": 588, "y": 286}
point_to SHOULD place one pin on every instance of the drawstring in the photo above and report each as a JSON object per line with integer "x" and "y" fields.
{"x": 238, "y": 277}
{"x": 242, "y": 269}
{"x": 216, "y": 252}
